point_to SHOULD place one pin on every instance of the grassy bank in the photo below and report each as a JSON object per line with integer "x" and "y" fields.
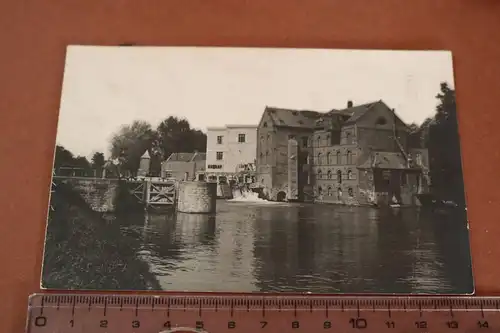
{"x": 85, "y": 250}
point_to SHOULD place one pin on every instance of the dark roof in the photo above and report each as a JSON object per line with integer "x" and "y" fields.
{"x": 293, "y": 118}
{"x": 355, "y": 112}
{"x": 308, "y": 119}
{"x": 186, "y": 157}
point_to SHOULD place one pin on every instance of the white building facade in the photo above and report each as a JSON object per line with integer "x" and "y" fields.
{"x": 231, "y": 149}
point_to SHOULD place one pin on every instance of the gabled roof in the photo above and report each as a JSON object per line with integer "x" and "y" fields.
{"x": 293, "y": 118}
{"x": 308, "y": 119}
{"x": 355, "y": 112}
{"x": 186, "y": 157}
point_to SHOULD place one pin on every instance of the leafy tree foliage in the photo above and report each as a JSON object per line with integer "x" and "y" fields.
{"x": 444, "y": 148}
{"x": 130, "y": 143}
{"x": 172, "y": 135}
{"x": 64, "y": 161}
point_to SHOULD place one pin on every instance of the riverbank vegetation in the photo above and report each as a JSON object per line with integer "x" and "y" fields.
{"x": 87, "y": 250}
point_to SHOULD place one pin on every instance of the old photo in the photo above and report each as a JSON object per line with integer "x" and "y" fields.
{"x": 258, "y": 170}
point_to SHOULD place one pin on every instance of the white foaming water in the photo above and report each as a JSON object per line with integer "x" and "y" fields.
{"x": 244, "y": 195}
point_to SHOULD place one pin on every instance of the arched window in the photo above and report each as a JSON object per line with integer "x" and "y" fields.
{"x": 339, "y": 176}
{"x": 329, "y": 173}
{"x": 329, "y": 191}
{"x": 319, "y": 159}
{"x": 318, "y": 141}
{"x": 350, "y": 192}
{"x": 320, "y": 190}
{"x": 339, "y": 161}
{"x": 319, "y": 173}
{"x": 339, "y": 193}
{"x": 349, "y": 157}
{"x": 328, "y": 158}
{"x": 328, "y": 140}
{"x": 349, "y": 174}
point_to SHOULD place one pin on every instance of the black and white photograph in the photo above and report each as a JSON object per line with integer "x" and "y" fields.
{"x": 219, "y": 169}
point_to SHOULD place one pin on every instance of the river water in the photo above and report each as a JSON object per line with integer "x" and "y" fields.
{"x": 281, "y": 247}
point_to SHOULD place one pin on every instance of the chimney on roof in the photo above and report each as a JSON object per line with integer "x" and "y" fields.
{"x": 349, "y": 104}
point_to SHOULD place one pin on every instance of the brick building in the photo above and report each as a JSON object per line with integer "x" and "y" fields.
{"x": 184, "y": 166}
{"x": 356, "y": 155}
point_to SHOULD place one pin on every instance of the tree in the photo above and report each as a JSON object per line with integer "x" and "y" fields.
{"x": 130, "y": 143}
{"x": 98, "y": 162}
{"x": 419, "y": 135}
{"x": 176, "y": 136}
{"x": 444, "y": 148}
{"x": 65, "y": 159}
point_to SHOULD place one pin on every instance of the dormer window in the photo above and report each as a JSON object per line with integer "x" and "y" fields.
{"x": 381, "y": 121}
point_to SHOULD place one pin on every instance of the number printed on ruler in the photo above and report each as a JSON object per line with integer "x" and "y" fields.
{"x": 69, "y": 313}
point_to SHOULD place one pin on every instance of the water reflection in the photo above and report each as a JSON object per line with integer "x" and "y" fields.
{"x": 316, "y": 248}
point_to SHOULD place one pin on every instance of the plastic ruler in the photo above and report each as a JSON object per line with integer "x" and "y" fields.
{"x": 87, "y": 313}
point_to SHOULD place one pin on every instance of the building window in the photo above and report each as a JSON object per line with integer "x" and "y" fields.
{"x": 219, "y": 139}
{"x": 318, "y": 140}
{"x": 349, "y": 174}
{"x": 328, "y": 158}
{"x": 320, "y": 191}
{"x": 291, "y": 137}
{"x": 328, "y": 139}
{"x": 329, "y": 174}
{"x": 319, "y": 159}
{"x": 219, "y": 155}
{"x": 339, "y": 193}
{"x": 265, "y": 124}
{"x": 304, "y": 141}
{"x": 339, "y": 176}
{"x": 381, "y": 121}
{"x": 339, "y": 161}
{"x": 320, "y": 174}
{"x": 349, "y": 157}
{"x": 241, "y": 138}
{"x": 350, "y": 192}
{"x": 329, "y": 191}
{"x": 418, "y": 159}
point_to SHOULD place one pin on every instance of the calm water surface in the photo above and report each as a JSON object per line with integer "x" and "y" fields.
{"x": 305, "y": 247}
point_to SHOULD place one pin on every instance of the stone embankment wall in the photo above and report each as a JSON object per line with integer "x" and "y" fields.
{"x": 99, "y": 193}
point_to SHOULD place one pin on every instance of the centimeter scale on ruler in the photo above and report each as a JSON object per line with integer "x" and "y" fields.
{"x": 271, "y": 314}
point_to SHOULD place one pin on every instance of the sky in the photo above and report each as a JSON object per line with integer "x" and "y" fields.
{"x": 106, "y": 87}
